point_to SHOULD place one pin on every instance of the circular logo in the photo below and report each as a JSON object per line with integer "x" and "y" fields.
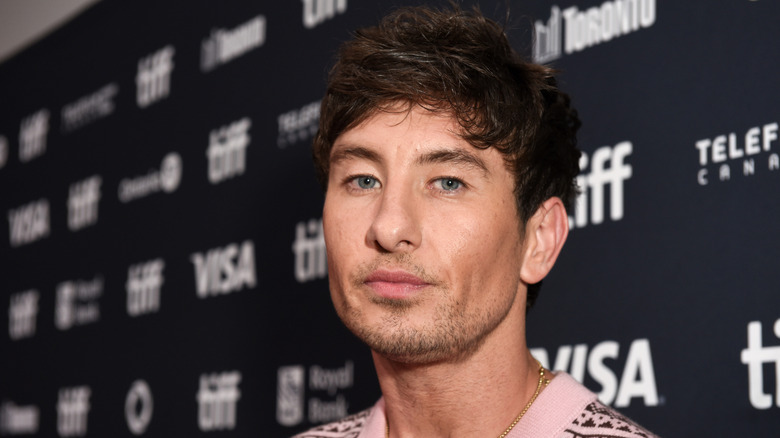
{"x": 170, "y": 172}
{"x": 138, "y": 407}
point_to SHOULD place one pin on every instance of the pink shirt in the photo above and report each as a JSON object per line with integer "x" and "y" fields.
{"x": 565, "y": 409}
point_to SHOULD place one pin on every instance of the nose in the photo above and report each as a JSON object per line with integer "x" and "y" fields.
{"x": 395, "y": 227}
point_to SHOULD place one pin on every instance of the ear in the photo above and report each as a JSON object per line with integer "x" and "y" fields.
{"x": 545, "y": 234}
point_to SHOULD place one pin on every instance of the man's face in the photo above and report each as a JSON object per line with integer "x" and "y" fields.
{"x": 423, "y": 237}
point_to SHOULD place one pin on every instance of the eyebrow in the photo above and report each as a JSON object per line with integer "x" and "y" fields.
{"x": 453, "y": 156}
{"x": 439, "y": 156}
{"x": 354, "y": 152}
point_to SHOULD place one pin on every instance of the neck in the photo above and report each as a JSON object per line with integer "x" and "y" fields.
{"x": 476, "y": 396}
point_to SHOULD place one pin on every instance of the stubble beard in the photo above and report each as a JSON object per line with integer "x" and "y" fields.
{"x": 452, "y": 335}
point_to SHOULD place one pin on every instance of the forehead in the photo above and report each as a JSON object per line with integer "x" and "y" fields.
{"x": 400, "y": 128}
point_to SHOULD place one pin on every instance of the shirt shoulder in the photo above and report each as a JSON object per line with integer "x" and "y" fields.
{"x": 600, "y": 421}
{"x": 347, "y": 427}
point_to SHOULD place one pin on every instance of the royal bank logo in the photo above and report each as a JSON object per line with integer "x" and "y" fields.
{"x": 224, "y": 270}
{"x": 590, "y": 27}
{"x": 326, "y": 385}
{"x": 83, "y": 203}
{"x": 227, "y": 150}
{"x": 316, "y": 12}
{"x": 139, "y": 407}
{"x": 608, "y": 167}
{"x": 32, "y": 135}
{"x": 89, "y": 108}
{"x": 224, "y": 45}
{"x": 29, "y": 223}
{"x": 144, "y": 281}
{"x": 290, "y": 395}
{"x": 299, "y": 125}
{"x": 309, "y": 249}
{"x": 23, "y": 315}
{"x": 165, "y": 180}
{"x": 19, "y": 420}
{"x": 77, "y": 303}
{"x": 153, "y": 80}
{"x": 728, "y": 154}
{"x": 755, "y": 356}
{"x": 637, "y": 379}
{"x": 73, "y": 410}
{"x": 3, "y": 151}
{"x": 217, "y": 401}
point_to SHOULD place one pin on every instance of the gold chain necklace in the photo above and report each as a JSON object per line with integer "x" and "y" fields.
{"x": 542, "y": 380}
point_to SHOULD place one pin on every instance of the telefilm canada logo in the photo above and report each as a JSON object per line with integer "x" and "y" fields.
{"x": 326, "y": 401}
{"x": 755, "y": 356}
{"x": 89, "y": 108}
{"x": 728, "y": 155}
{"x": 637, "y": 378}
{"x": 572, "y": 30}
{"x": 298, "y": 125}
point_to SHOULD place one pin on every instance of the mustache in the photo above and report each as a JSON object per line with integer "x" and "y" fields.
{"x": 393, "y": 262}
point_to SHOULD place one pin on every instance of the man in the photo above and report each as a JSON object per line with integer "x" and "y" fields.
{"x": 448, "y": 164}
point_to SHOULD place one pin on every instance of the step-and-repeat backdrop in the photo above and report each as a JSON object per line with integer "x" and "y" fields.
{"x": 162, "y": 264}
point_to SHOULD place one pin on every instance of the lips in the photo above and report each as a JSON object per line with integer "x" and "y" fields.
{"x": 395, "y": 284}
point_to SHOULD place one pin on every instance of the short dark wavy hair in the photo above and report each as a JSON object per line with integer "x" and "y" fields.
{"x": 459, "y": 62}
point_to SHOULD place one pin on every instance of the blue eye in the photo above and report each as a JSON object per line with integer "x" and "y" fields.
{"x": 366, "y": 182}
{"x": 449, "y": 184}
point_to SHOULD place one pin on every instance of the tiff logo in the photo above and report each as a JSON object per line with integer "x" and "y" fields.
{"x": 224, "y": 270}
{"x": 227, "y": 150}
{"x": 217, "y": 400}
{"x": 32, "y": 136}
{"x": 22, "y": 314}
{"x": 29, "y": 223}
{"x": 18, "y": 420}
{"x": 154, "y": 76}
{"x": 72, "y": 410}
{"x": 755, "y": 356}
{"x": 586, "y": 28}
{"x": 594, "y": 184}
{"x": 309, "y": 249}
{"x": 316, "y": 12}
{"x": 83, "y": 203}
{"x": 547, "y": 42}
{"x": 144, "y": 281}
